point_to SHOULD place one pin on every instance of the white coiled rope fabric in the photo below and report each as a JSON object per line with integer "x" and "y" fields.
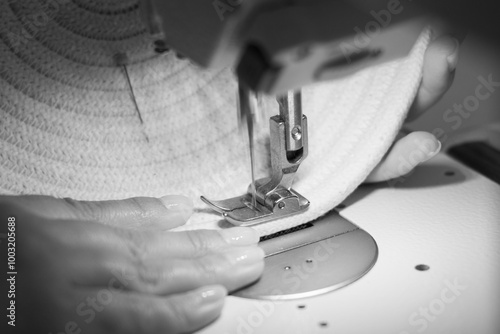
{"x": 69, "y": 127}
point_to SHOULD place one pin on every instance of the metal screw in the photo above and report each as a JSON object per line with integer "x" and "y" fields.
{"x": 297, "y": 133}
{"x": 281, "y": 205}
{"x": 288, "y": 268}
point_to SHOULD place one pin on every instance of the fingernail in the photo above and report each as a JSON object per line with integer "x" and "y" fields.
{"x": 210, "y": 301}
{"x": 240, "y": 236}
{"x": 178, "y": 204}
{"x": 437, "y": 149}
{"x": 212, "y": 294}
{"x": 245, "y": 255}
{"x": 452, "y": 58}
{"x": 433, "y": 153}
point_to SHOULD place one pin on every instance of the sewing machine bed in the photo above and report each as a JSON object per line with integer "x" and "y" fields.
{"x": 438, "y": 234}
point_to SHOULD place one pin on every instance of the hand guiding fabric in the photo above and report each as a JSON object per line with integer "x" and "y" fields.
{"x": 440, "y": 62}
{"x": 92, "y": 264}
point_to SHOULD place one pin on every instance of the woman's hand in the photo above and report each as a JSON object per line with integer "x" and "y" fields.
{"x": 106, "y": 267}
{"x": 440, "y": 63}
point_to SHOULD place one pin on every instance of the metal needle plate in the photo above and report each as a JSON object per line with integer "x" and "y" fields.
{"x": 322, "y": 256}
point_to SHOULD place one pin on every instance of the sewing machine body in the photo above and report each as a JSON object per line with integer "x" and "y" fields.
{"x": 277, "y": 45}
{"x": 434, "y": 234}
{"x": 444, "y": 216}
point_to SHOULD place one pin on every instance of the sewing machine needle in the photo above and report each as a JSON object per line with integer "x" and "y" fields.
{"x": 122, "y": 60}
{"x": 246, "y": 108}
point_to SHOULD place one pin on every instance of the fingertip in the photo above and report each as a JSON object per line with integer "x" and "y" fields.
{"x": 432, "y": 148}
{"x": 448, "y": 47}
{"x": 240, "y": 236}
{"x": 417, "y": 148}
{"x": 440, "y": 63}
{"x": 407, "y": 153}
{"x": 443, "y": 49}
{"x": 212, "y": 294}
{"x": 206, "y": 306}
{"x": 174, "y": 201}
{"x": 178, "y": 205}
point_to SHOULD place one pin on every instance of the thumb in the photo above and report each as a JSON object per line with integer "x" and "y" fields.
{"x": 405, "y": 155}
{"x": 137, "y": 213}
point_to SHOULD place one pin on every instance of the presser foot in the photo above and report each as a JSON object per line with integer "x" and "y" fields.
{"x": 240, "y": 211}
{"x": 272, "y": 198}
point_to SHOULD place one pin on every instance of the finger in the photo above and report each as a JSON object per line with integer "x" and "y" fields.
{"x": 232, "y": 267}
{"x": 405, "y": 155}
{"x": 440, "y": 62}
{"x": 141, "y": 212}
{"x": 92, "y": 253}
{"x": 131, "y": 313}
{"x": 126, "y": 253}
{"x": 191, "y": 244}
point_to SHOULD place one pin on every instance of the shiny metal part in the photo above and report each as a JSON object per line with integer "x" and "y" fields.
{"x": 291, "y": 113}
{"x": 274, "y": 196}
{"x": 247, "y": 112}
{"x": 122, "y": 61}
{"x": 323, "y": 256}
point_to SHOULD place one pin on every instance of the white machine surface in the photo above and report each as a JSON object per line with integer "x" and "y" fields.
{"x": 438, "y": 234}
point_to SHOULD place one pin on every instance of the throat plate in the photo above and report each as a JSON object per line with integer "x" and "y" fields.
{"x": 313, "y": 260}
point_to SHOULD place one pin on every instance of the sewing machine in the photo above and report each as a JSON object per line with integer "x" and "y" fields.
{"x": 277, "y": 47}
